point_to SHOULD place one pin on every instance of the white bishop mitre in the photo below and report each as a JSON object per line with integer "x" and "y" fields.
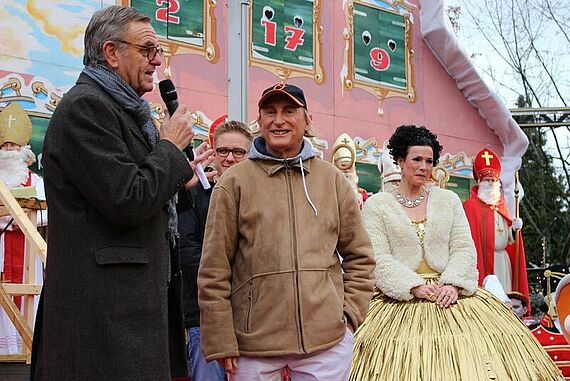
{"x": 492, "y": 284}
{"x": 390, "y": 171}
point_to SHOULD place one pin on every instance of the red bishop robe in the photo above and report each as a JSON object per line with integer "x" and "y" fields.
{"x": 481, "y": 218}
{"x": 14, "y": 246}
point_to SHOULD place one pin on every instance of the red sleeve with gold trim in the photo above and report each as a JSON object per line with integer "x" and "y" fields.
{"x": 482, "y": 225}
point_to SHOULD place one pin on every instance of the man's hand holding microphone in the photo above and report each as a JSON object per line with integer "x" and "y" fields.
{"x": 177, "y": 128}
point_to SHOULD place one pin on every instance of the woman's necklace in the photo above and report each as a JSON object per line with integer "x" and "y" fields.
{"x": 411, "y": 203}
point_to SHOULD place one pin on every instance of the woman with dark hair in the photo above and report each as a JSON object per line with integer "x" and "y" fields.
{"x": 428, "y": 320}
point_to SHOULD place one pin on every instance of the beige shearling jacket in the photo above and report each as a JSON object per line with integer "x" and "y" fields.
{"x": 448, "y": 245}
{"x": 270, "y": 280}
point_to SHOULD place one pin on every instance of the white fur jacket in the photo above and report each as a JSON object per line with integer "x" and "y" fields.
{"x": 448, "y": 245}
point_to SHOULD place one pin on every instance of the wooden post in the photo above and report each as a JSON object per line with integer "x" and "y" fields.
{"x": 16, "y": 317}
{"x": 30, "y": 256}
{"x": 35, "y": 248}
{"x": 26, "y": 226}
{"x": 516, "y": 275}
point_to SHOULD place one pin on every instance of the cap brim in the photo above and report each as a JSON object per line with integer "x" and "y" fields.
{"x": 274, "y": 92}
{"x": 518, "y": 295}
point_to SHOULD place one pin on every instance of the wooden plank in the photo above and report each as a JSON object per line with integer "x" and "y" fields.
{"x": 15, "y": 317}
{"x": 14, "y": 358}
{"x": 26, "y": 204}
{"x": 29, "y": 229}
{"x": 35, "y": 248}
{"x": 4, "y": 211}
{"x": 30, "y": 256}
{"x": 23, "y": 289}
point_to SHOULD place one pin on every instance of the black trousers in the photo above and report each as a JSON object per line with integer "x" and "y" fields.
{"x": 176, "y": 332}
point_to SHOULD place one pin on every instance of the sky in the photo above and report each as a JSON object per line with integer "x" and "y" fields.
{"x": 37, "y": 33}
{"x": 498, "y": 75}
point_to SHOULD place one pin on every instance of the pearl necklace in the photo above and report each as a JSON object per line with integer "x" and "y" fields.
{"x": 409, "y": 203}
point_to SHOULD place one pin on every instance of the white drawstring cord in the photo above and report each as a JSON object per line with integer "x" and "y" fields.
{"x": 305, "y": 187}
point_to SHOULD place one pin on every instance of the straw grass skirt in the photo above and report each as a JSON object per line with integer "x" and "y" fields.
{"x": 476, "y": 339}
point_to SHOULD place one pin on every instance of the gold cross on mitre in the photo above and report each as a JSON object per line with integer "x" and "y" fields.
{"x": 487, "y": 156}
{"x": 15, "y": 125}
{"x": 344, "y": 150}
{"x": 10, "y": 119}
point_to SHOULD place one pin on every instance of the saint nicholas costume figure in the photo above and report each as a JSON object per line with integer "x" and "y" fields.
{"x": 493, "y": 229}
{"x": 15, "y": 158}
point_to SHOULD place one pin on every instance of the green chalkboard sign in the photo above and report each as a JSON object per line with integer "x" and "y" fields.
{"x": 379, "y": 46}
{"x": 282, "y": 31}
{"x": 176, "y": 20}
{"x": 286, "y": 38}
{"x": 461, "y": 186}
{"x": 378, "y": 50}
{"x": 369, "y": 177}
{"x": 39, "y": 128}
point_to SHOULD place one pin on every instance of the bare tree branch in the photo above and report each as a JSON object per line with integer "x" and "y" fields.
{"x": 556, "y": 21}
{"x": 539, "y": 56}
{"x": 530, "y": 211}
{"x": 526, "y": 59}
{"x": 564, "y": 168}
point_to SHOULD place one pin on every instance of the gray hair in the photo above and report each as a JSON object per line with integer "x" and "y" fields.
{"x": 108, "y": 24}
{"x": 310, "y": 132}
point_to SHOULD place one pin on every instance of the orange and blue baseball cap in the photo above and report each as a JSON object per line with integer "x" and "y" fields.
{"x": 291, "y": 91}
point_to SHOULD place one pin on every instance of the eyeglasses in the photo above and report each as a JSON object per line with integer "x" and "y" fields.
{"x": 151, "y": 50}
{"x": 237, "y": 152}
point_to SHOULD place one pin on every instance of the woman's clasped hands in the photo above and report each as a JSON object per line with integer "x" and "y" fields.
{"x": 443, "y": 295}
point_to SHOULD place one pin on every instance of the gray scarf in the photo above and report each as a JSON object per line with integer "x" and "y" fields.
{"x": 139, "y": 109}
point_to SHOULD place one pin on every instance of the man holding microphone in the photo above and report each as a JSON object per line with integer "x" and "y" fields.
{"x": 110, "y": 178}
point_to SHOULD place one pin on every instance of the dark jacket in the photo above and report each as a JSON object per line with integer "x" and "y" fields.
{"x": 105, "y": 293}
{"x": 192, "y": 212}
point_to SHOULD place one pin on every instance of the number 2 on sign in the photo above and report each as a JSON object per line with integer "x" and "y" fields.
{"x": 293, "y": 39}
{"x": 167, "y": 14}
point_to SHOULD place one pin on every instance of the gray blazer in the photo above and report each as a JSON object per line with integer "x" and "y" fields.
{"x": 104, "y": 303}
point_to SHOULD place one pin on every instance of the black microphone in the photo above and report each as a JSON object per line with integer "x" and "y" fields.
{"x": 170, "y": 98}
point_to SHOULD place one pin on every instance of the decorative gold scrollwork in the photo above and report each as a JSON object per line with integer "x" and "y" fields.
{"x": 352, "y": 76}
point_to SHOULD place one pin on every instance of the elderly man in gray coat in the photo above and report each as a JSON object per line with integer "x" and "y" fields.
{"x": 110, "y": 176}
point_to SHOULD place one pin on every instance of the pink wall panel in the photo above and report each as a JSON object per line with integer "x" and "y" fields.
{"x": 439, "y": 105}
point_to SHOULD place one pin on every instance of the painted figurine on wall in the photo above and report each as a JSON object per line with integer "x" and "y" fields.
{"x": 391, "y": 172}
{"x": 344, "y": 158}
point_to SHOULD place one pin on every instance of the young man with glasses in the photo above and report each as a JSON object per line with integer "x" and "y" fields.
{"x": 232, "y": 141}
